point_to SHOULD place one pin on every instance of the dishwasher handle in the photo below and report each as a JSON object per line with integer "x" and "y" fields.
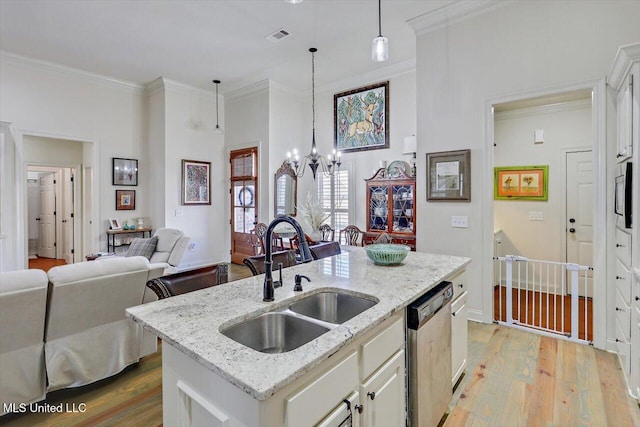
{"x": 425, "y": 307}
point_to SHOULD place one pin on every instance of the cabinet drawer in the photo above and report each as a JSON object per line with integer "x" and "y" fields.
{"x": 309, "y": 405}
{"x": 459, "y": 284}
{"x": 623, "y": 316}
{"x": 623, "y": 348}
{"x": 623, "y": 281}
{"x": 380, "y": 348}
{"x": 623, "y": 246}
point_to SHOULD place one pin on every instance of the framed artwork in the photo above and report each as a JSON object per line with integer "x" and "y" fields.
{"x": 361, "y": 118}
{"x": 196, "y": 182}
{"x": 125, "y": 172}
{"x": 114, "y": 224}
{"x": 125, "y": 200}
{"x": 623, "y": 194}
{"x": 449, "y": 176}
{"x": 521, "y": 183}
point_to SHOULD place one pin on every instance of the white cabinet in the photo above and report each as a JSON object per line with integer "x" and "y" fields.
{"x": 458, "y": 337}
{"x": 624, "y": 78}
{"x": 382, "y": 395}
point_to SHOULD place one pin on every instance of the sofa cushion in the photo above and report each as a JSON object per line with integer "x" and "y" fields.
{"x": 167, "y": 238}
{"x": 143, "y": 247}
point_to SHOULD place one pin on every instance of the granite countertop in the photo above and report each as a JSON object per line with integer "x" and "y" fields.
{"x": 190, "y": 322}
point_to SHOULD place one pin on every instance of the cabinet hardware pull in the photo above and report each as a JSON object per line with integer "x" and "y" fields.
{"x": 358, "y": 408}
{"x": 637, "y": 298}
{"x": 619, "y": 309}
{"x": 372, "y": 395}
{"x": 461, "y": 285}
{"x": 619, "y": 278}
{"x": 618, "y": 245}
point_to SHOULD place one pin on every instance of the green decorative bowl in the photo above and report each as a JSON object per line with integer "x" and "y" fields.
{"x": 387, "y": 253}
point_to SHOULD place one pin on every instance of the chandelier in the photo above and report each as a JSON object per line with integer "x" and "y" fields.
{"x": 315, "y": 161}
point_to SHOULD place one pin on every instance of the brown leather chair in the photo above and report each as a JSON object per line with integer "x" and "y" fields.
{"x": 188, "y": 281}
{"x": 325, "y": 249}
{"x": 351, "y": 236}
{"x": 383, "y": 238}
{"x": 256, "y": 263}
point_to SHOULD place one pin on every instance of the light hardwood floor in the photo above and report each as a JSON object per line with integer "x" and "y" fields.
{"x": 514, "y": 378}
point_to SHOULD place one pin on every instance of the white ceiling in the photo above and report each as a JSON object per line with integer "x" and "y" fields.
{"x": 196, "y": 41}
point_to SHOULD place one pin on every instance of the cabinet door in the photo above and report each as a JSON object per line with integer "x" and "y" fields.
{"x": 383, "y": 395}
{"x": 378, "y": 219}
{"x": 458, "y": 337}
{"x": 402, "y": 208}
{"x": 625, "y": 119}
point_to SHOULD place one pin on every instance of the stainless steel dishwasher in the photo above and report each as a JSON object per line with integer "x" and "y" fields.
{"x": 429, "y": 356}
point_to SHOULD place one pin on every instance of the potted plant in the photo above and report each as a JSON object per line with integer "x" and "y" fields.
{"x": 313, "y": 214}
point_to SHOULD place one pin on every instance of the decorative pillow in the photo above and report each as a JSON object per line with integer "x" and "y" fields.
{"x": 143, "y": 247}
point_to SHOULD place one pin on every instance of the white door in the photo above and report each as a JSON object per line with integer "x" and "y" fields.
{"x": 47, "y": 217}
{"x": 579, "y": 220}
{"x": 67, "y": 216}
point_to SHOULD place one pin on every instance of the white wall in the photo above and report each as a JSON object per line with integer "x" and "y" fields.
{"x": 402, "y": 123}
{"x": 518, "y": 47}
{"x": 247, "y": 125}
{"x": 42, "y": 98}
{"x": 189, "y": 134}
{"x": 565, "y": 126}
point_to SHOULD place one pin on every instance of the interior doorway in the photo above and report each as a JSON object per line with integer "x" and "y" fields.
{"x": 560, "y": 130}
{"x": 51, "y": 211}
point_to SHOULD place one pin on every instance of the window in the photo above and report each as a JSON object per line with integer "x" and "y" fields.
{"x": 333, "y": 193}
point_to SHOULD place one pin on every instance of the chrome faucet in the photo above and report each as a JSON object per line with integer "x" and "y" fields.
{"x": 305, "y": 253}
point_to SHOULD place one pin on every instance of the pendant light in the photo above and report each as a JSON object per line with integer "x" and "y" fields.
{"x": 218, "y": 129}
{"x": 380, "y": 44}
{"x": 314, "y": 160}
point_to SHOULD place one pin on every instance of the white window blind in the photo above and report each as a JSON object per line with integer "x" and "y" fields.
{"x": 333, "y": 193}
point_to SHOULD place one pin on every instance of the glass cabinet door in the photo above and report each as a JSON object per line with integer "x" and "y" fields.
{"x": 402, "y": 208}
{"x": 378, "y": 207}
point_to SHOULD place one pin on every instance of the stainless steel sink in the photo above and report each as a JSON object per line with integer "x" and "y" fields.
{"x": 274, "y": 332}
{"x": 332, "y": 307}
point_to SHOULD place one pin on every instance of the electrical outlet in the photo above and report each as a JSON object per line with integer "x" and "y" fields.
{"x": 460, "y": 221}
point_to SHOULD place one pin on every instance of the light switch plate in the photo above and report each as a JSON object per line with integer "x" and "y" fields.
{"x": 460, "y": 221}
{"x": 536, "y": 216}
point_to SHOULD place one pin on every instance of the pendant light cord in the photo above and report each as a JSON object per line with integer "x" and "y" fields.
{"x": 313, "y": 90}
{"x": 379, "y": 19}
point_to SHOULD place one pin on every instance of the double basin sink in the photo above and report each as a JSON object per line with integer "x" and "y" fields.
{"x": 299, "y": 323}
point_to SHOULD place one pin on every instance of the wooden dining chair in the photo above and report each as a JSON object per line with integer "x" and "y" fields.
{"x": 383, "y": 238}
{"x": 327, "y": 234}
{"x": 351, "y": 236}
{"x": 256, "y": 263}
{"x": 276, "y": 241}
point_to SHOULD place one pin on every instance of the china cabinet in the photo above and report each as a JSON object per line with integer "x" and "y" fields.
{"x": 391, "y": 207}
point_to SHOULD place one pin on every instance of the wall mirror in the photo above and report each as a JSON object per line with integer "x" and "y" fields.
{"x": 285, "y": 190}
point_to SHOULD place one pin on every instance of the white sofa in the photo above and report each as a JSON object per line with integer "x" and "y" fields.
{"x": 171, "y": 247}
{"x": 23, "y": 300}
{"x": 88, "y": 337}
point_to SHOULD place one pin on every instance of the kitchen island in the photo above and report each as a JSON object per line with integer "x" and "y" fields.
{"x": 208, "y": 376}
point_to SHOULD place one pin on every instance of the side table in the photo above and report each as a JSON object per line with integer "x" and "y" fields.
{"x": 111, "y": 236}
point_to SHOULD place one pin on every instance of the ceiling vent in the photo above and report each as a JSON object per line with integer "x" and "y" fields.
{"x": 278, "y": 35}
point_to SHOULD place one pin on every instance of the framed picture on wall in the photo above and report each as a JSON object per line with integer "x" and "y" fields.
{"x": 125, "y": 172}
{"x": 361, "y": 118}
{"x": 449, "y": 176}
{"x": 521, "y": 183}
{"x": 196, "y": 182}
{"x": 125, "y": 200}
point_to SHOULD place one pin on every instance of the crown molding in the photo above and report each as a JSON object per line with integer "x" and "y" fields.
{"x": 453, "y": 13}
{"x": 249, "y": 90}
{"x": 380, "y": 74}
{"x": 163, "y": 84}
{"x": 50, "y": 67}
{"x": 580, "y": 104}
{"x": 623, "y": 61}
